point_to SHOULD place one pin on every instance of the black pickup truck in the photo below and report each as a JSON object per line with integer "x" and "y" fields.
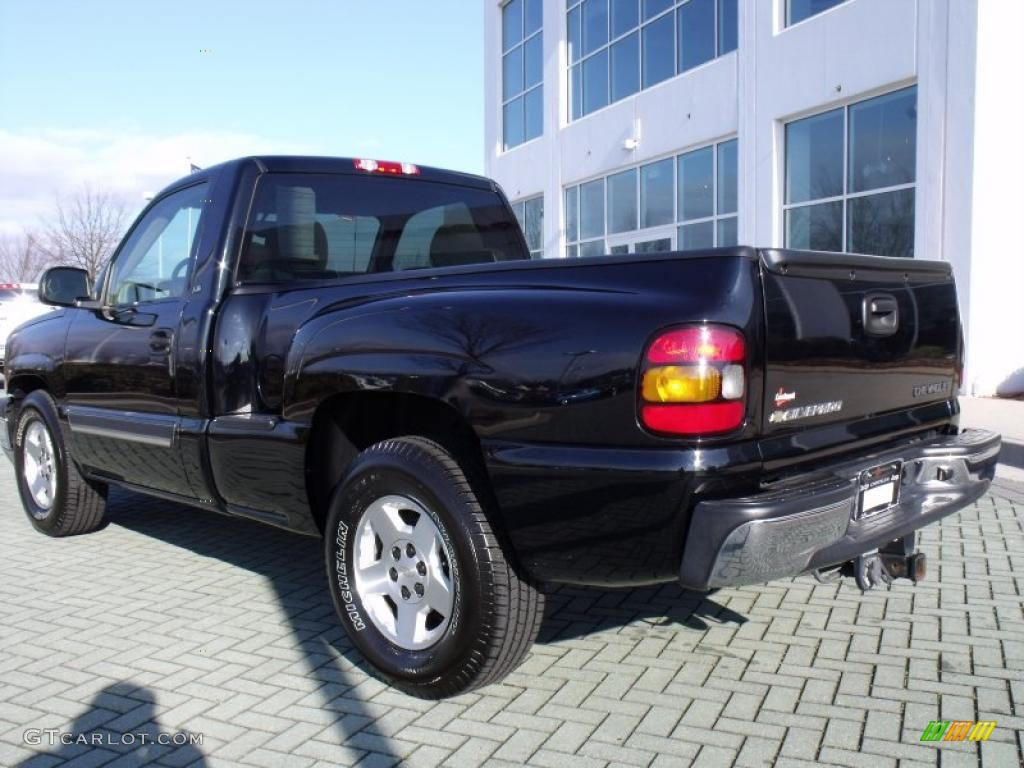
{"x": 363, "y": 351}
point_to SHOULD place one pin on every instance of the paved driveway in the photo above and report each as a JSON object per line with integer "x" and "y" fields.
{"x": 172, "y": 622}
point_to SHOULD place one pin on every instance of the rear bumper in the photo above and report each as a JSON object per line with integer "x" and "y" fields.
{"x": 807, "y": 522}
{"x": 5, "y": 435}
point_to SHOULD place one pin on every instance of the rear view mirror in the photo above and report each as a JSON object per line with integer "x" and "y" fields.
{"x": 63, "y": 286}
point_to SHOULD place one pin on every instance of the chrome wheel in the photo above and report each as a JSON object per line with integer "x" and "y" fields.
{"x": 39, "y": 467}
{"x": 403, "y": 572}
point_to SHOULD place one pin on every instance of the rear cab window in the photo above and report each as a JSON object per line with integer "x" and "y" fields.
{"x": 327, "y": 226}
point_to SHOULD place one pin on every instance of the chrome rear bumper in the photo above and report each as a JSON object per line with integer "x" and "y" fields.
{"x": 808, "y": 522}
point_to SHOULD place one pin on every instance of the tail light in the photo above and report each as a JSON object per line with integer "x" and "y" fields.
{"x": 383, "y": 166}
{"x": 693, "y": 381}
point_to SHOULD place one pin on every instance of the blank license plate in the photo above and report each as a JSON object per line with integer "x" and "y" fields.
{"x": 879, "y": 489}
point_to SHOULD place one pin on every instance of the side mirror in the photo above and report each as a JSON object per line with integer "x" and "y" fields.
{"x": 64, "y": 286}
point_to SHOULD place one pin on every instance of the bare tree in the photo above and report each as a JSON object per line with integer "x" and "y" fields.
{"x": 85, "y": 229}
{"x": 22, "y": 259}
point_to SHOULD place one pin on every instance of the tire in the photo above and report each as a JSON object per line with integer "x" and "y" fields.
{"x": 70, "y": 504}
{"x": 494, "y": 614}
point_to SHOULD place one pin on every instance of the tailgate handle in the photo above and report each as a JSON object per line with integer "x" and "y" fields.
{"x": 881, "y": 314}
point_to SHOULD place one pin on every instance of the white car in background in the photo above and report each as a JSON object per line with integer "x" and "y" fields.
{"x": 18, "y": 302}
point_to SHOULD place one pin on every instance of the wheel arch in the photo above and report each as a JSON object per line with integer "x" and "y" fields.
{"x": 346, "y": 423}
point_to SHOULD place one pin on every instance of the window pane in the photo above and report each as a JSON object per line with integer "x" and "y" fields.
{"x": 815, "y": 227}
{"x": 659, "y": 53}
{"x": 575, "y": 47}
{"x": 592, "y": 209}
{"x": 595, "y": 25}
{"x": 511, "y": 24}
{"x": 533, "y": 115}
{"x": 803, "y": 9}
{"x": 626, "y": 66}
{"x": 727, "y": 232}
{"x": 625, "y": 16}
{"x": 512, "y": 74}
{"x": 657, "y": 187}
{"x": 727, "y": 165}
{"x": 727, "y": 26}
{"x": 534, "y": 60}
{"x": 696, "y": 184}
{"x": 593, "y": 248}
{"x": 883, "y": 140}
{"x": 654, "y": 7}
{"x": 534, "y": 228}
{"x": 576, "y": 92}
{"x": 882, "y": 225}
{"x": 696, "y": 33}
{"x": 622, "y": 202}
{"x": 572, "y": 251}
{"x": 513, "y": 122}
{"x": 814, "y": 157}
{"x": 662, "y": 245}
{"x": 152, "y": 265}
{"x": 534, "y": 15}
{"x": 595, "y": 82}
{"x": 519, "y": 209}
{"x": 693, "y": 236}
{"x": 572, "y": 214}
{"x": 618, "y": 250}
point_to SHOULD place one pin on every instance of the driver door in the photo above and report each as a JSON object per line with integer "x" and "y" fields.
{"x": 119, "y": 367}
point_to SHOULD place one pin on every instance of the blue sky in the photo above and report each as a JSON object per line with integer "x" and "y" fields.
{"x": 117, "y": 93}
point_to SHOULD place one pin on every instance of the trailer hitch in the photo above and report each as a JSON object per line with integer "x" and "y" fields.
{"x": 899, "y": 559}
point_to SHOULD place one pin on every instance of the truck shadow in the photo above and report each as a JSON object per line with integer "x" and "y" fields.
{"x": 292, "y": 566}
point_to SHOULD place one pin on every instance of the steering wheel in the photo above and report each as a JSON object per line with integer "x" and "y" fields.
{"x": 182, "y": 265}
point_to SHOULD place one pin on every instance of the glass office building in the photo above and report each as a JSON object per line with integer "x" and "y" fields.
{"x": 636, "y": 126}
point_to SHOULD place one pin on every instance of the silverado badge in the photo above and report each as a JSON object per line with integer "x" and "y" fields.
{"x": 805, "y": 411}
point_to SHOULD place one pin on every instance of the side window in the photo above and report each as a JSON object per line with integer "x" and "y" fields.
{"x": 153, "y": 264}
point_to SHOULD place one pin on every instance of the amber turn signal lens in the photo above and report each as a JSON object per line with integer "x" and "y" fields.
{"x": 682, "y": 384}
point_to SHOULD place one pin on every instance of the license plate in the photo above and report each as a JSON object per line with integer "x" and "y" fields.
{"x": 879, "y": 489}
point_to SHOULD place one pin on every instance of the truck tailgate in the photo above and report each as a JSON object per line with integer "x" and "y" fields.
{"x": 850, "y": 336}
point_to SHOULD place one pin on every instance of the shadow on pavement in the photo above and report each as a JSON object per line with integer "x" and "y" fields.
{"x": 293, "y": 565}
{"x": 135, "y": 735}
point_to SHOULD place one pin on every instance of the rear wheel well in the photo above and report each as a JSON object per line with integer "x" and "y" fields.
{"x": 346, "y": 424}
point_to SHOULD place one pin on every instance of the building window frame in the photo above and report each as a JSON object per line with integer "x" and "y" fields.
{"x": 527, "y": 92}
{"x": 846, "y": 195}
{"x": 575, "y": 75}
{"x": 787, "y": 12}
{"x": 525, "y": 209}
{"x": 605, "y": 242}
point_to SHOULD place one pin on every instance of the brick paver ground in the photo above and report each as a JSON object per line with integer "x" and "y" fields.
{"x": 173, "y": 620}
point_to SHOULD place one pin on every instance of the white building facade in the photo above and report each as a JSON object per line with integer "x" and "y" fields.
{"x": 872, "y": 126}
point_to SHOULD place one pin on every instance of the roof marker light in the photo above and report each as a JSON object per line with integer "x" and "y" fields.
{"x": 383, "y": 166}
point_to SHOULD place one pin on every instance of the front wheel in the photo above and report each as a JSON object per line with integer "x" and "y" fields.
{"x": 418, "y": 574}
{"x": 58, "y": 500}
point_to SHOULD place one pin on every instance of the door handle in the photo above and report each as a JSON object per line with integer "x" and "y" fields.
{"x": 160, "y": 341}
{"x": 881, "y": 314}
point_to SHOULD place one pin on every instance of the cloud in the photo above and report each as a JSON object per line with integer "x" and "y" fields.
{"x": 36, "y": 167}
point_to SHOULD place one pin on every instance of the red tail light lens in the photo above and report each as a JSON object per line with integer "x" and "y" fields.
{"x": 383, "y": 166}
{"x": 693, "y": 381}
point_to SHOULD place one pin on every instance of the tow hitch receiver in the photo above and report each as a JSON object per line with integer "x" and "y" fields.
{"x": 899, "y": 559}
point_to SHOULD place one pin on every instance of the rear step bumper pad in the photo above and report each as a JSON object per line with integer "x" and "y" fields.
{"x": 808, "y": 523}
